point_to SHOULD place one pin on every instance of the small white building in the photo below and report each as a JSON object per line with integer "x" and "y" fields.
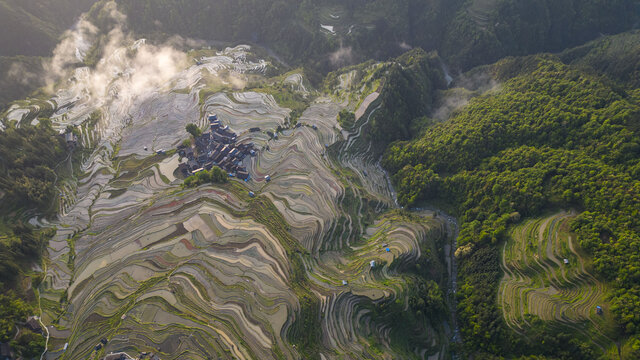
{"x": 344, "y": 282}
{"x": 372, "y": 263}
{"x": 566, "y": 261}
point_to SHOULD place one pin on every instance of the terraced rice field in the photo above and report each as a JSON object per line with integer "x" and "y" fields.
{"x": 538, "y": 282}
{"x": 480, "y": 11}
{"x": 210, "y": 272}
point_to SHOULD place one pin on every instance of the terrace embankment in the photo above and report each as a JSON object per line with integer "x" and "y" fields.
{"x": 312, "y": 259}
{"x": 549, "y": 277}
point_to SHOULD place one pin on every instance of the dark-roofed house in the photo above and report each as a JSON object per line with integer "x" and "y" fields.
{"x": 34, "y": 325}
{"x": 184, "y": 169}
{"x": 242, "y": 174}
{"x": 193, "y": 164}
{"x": 70, "y": 138}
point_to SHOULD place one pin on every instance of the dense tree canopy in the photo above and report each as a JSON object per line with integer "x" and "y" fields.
{"x": 215, "y": 176}
{"x": 410, "y": 83}
{"x": 466, "y": 33}
{"x": 553, "y": 136}
{"x": 28, "y": 156}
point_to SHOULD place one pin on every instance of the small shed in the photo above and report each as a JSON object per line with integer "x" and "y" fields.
{"x": 242, "y": 175}
{"x": 372, "y": 263}
{"x": 599, "y": 310}
{"x": 566, "y": 261}
{"x": 252, "y": 194}
{"x": 267, "y": 178}
{"x": 34, "y": 325}
{"x": 344, "y": 282}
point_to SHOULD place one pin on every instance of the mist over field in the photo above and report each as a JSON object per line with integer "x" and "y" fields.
{"x": 319, "y": 180}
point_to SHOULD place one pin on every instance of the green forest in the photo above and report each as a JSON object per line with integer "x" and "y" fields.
{"x": 29, "y": 156}
{"x": 559, "y": 129}
{"x": 552, "y": 136}
{"x": 466, "y": 33}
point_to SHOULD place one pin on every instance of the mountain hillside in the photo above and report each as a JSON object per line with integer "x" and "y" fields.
{"x": 39, "y": 24}
{"x": 329, "y": 33}
{"x": 552, "y": 136}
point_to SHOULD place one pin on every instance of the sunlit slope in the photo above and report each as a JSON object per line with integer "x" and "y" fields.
{"x": 191, "y": 273}
{"x": 538, "y": 282}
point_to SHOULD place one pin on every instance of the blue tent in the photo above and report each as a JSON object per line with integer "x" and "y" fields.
{"x": 388, "y": 250}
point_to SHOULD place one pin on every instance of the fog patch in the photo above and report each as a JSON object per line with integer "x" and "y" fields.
{"x": 478, "y": 81}
{"x": 70, "y": 51}
{"x": 450, "y": 101}
{"x": 128, "y": 70}
{"x": 404, "y": 46}
{"x": 19, "y": 73}
{"x": 178, "y": 41}
{"x": 465, "y": 87}
{"x": 341, "y": 57}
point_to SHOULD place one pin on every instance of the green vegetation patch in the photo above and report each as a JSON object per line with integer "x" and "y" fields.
{"x": 554, "y": 136}
{"x": 213, "y": 176}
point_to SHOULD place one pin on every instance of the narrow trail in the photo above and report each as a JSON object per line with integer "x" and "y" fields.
{"x": 46, "y": 342}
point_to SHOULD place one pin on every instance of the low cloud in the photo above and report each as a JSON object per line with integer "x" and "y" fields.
{"x": 480, "y": 81}
{"x": 341, "y": 57}
{"x": 70, "y": 51}
{"x": 464, "y": 88}
{"x": 19, "y": 73}
{"x": 451, "y": 101}
{"x": 404, "y": 46}
{"x": 128, "y": 70}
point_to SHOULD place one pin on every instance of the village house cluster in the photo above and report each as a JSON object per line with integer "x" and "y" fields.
{"x": 216, "y": 147}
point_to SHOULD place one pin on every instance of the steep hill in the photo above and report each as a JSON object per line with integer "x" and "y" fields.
{"x": 330, "y": 33}
{"x": 32, "y": 27}
{"x": 551, "y": 136}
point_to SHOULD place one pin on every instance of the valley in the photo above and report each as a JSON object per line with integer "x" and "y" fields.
{"x": 431, "y": 180}
{"x": 156, "y": 268}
